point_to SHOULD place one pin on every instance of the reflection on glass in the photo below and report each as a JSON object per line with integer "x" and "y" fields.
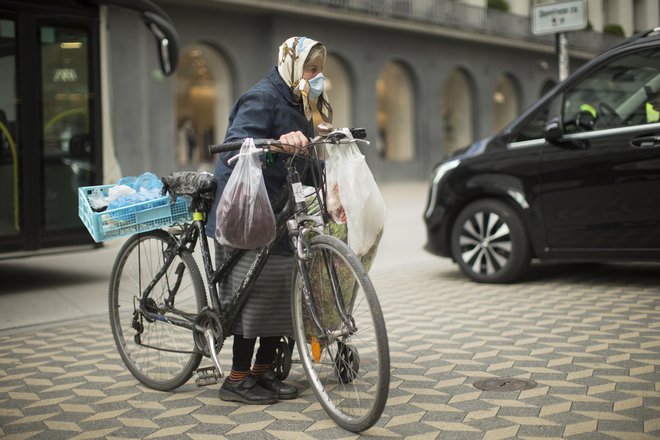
{"x": 67, "y": 141}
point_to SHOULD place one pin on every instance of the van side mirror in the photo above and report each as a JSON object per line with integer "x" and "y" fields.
{"x": 554, "y": 134}
{"x": 553, "y": 131}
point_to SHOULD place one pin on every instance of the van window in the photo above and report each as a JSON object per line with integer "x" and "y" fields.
{"x": 614, "y": 95}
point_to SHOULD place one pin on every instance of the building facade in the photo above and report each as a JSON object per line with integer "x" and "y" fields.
{"x": 423, "y": 77}
{"x": 87, "y": 96}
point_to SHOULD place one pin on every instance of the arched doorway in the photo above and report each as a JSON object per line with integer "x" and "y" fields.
{"x": 394, "y": 90}
{"x": 506, "y": 101}
{"x": 457, "y": 112}
{"x": 338, "y": 88}
{"x": 203, "y": 100}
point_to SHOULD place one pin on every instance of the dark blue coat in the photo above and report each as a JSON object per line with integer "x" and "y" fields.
{"x": 267, "y": 110}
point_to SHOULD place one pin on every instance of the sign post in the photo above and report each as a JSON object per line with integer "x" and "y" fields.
{"x": 557, "y": 18}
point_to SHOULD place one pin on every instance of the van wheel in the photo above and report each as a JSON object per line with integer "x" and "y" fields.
{"x": 489, "y": 242}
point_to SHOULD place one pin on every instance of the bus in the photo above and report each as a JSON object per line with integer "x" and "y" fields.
{"x": 54, "y": 119}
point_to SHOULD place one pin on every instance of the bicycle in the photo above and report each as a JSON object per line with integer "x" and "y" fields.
{"x": 163, "y": 323}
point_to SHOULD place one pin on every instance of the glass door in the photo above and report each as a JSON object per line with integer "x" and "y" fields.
{"x": 10, "y": 199}
{"x": 49, "y": 119}
{"x": 68, "y": 154}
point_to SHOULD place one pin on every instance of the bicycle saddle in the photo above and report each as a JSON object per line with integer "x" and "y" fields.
{"x": 200, "y": 187}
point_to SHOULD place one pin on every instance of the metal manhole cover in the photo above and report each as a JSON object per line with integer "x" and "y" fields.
{"x": 504, "y": 384}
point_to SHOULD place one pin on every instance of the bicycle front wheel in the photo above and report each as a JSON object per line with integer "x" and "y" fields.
{"x": 347, "y": 361}
{"x": 158, "y": 353}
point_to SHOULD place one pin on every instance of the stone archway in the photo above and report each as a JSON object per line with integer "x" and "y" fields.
{"x": 203, "y": 101}
{"x": 338, "y": 87}
{"x": 394, "y": 91}
{"x": 506, "y": 102}
{"x": 457, "y": 112}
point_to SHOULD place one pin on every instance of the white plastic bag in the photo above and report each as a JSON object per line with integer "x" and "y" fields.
{"x": 353, "y": 196}
{"x": 244, "y": 216}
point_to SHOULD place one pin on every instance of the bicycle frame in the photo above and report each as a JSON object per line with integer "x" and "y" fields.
{"x": 287, "y": 207}
{"x": 188, "y": 240}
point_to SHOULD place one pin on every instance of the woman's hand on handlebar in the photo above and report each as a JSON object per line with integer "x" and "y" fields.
{"x": 291, "y": 142}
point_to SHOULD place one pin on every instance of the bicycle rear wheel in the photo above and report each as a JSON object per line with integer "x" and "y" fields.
{"x": 348, "y": 370}
{"x": 159, "y": 354}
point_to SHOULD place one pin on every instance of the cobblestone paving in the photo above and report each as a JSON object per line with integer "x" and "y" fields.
{"x": 589, "y": 336}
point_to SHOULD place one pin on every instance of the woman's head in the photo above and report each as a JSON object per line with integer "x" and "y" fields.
{"x": 301, "y": 59}
{"x": 315, "y": 61}
{"x": 297, "y": 54}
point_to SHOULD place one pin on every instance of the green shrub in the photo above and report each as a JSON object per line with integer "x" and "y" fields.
{"x": 502, "y": 5}
{"x": 615, "y": 29}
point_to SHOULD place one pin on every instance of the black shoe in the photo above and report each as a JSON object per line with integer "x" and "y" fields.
{"x": 283, "y": 391}
{"x": 247, "y": 391}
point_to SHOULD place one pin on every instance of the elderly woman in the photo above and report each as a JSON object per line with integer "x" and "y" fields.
{"x": 277, "y": 107}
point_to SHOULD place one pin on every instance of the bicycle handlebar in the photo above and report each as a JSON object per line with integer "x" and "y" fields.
{"x": 333, "y": 137}
{"x": 236, "y": 145}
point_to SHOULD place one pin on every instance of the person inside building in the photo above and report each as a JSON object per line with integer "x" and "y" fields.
{"x": 278, "y": 107}
{"x": 652, "y": 105}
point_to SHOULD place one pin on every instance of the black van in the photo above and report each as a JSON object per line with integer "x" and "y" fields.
{"x": 575, "y": 177}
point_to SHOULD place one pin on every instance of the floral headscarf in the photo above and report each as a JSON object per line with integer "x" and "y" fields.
{"x": 290, "y": 61}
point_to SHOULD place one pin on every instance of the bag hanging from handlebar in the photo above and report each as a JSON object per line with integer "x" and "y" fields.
{"x": 353, "y": 196}
{"x": 244, "y": 216}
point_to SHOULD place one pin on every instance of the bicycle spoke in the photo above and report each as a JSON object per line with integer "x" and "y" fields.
{"x": 165, "y": 356}
{"x": 352, "y": 374}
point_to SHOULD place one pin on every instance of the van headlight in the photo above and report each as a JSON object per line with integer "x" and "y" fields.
{"x": 439, "y": 173}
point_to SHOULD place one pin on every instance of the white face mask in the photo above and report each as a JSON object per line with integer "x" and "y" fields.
{"x": 316, "y": 86}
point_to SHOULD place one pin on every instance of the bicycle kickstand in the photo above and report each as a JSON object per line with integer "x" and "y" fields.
{"x": 209, "y": 375}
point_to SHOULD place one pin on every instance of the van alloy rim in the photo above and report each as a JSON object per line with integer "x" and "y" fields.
{"x": 485, "y": 243}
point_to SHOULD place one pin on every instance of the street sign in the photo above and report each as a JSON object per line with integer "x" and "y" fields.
{"x": 550, "y": 18}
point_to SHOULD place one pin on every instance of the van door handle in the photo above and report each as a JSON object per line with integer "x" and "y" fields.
{"x": 645, "y": 142}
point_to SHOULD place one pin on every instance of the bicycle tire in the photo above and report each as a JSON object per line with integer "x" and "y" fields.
{"x": 349, "y": 375}
{"x": 152, "y": 361}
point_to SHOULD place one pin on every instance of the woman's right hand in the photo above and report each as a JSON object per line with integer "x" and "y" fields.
{"x": 292, "y": 142}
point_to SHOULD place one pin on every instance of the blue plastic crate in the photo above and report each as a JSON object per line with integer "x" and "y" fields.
{"x": 129, "y": 220}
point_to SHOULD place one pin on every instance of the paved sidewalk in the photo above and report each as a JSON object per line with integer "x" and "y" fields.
{"x": 588, "y": 335}
{"x": 590, "y": 339}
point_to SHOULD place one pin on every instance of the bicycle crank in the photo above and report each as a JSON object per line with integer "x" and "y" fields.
{"x": 209, "y": 338}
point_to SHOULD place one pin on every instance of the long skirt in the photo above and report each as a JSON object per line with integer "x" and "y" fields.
{"x": 267, "y": 311}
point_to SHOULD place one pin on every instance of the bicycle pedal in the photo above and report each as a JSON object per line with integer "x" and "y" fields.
{"x": 206, "y": 376}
